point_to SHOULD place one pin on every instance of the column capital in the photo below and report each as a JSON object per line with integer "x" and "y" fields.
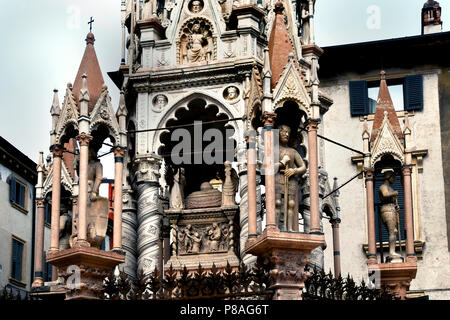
{"x": 119, "y": 152}
{"x": 268, "y": 118}
{"x": 84, "y": 139}
{"x": 406, "y": 170}
{"x": 40, "y": 203}
{"x": 57, "y": 150}
{"x": 147, "y": 168}
{"x": 369, "y": 173}
{"x": 312, "y": 124}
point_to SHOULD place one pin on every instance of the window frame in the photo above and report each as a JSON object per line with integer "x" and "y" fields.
{"x": 18, "y": 282}
{"x": 14, "y": 203}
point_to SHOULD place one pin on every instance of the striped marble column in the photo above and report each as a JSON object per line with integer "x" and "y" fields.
{"x": 148, "y": 212}
{"x": 129, "y": 232}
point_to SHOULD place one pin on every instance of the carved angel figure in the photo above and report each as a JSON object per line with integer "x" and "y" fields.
{"x": 230, "y": 185}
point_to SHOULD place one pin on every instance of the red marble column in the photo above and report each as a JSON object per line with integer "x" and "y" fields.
{"x": 268, "y": 120}
{"x": 313, "y": 176}
{"x": 372, "y": 254}
{"x": 336, "y": 247}
{"x": 39, "y": 250}
{"x": 251, "y": 184}
{"x": 84, "y": 140}
{"x": 56, "y": 197}
{"x": 119, "y": 154}
{"x": 410, "y": 254}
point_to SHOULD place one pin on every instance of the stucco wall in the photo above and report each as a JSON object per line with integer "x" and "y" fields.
{"x": 433, "y": 266}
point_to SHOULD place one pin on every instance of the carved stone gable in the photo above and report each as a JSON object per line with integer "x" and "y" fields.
{"x": 69, "y": 115}
{"x": 103, "y": 113}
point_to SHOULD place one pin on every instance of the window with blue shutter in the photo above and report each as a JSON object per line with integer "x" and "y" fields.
{"x": 16, "y": 260}
{"x": 397, "y": 186}
{"x": 359, "y": 101}
{"x": 17, "y": 193}
{"x": 12, "y": 189}
{"x": 413, "y": 92}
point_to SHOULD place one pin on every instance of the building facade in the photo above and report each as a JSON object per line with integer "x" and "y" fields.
{"x": 18, "y": 219}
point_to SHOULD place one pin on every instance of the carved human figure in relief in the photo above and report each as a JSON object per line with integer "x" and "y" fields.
{"x": 390, "y": 210}
{"x": 286, "y": 187}
{"x": 197, "y": 44}
{"x": 306, "y": 15}
{"x": 196, "y": 6}
{"x": 196, "y": 242}
{"x": 214, "y": 235}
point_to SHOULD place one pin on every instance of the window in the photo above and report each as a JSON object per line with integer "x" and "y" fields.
{"x": 17, "y": 259}
{"x": 406, "y": 94}
{"x": 17, "y": 194}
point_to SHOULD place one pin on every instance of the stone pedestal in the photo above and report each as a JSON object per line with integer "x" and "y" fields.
{"x": 395, "y": 277}
{"x": 213, "y": 246}
{"x": 84, "y": 269}
{"x": 288, "y": 253}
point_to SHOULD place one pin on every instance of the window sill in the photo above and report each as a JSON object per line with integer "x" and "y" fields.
{"x": 18, "y": 207}
{"x": 17, "y": 282}
{"x": 418, "y": 247}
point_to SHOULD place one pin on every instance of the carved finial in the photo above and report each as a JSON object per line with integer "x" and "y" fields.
{"x": 104, "y": 88}
{"x": 407, "y": 129}
{"x": 55, "y": 109}
{"x": 385, "y": 115}
{"x": 69, "y": 86}
{"x": 84, "y": 92}
{"x": 366, "y": 134}
{"x": 279, "y": 7}
{"x": 122, "y": 110}
{"x": 90, "y": 39}
{"x": 266, "y": 68}
{"x": 40, "y": 166}
{"x": 48, "y": 160}
{"x": 335, "y": 186}
{"x": 383, "y": 75}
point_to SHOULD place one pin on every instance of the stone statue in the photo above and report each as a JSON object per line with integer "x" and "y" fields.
{"x": 65, "y": 227}
{"x": 177, "y": 192}
{"x": 286, "y": 187}
{"x": 306, "y": 15}
{"x": 390, "y": 211}
{"x": 184, "y": 238}
{"x": 97, "y": 207}
{"x": 214, "y": 235}
{"x": 230, "y": 185}
{"x": 199, "y": 45}
{"x": 149, "y": 9}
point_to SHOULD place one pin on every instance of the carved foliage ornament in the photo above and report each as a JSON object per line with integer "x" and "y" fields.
{"x": 103, "y": 113}
{"x": 69, "y": 115}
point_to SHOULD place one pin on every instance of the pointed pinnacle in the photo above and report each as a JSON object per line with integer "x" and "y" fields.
{"x": 266, "y": 69}
{"x": 55, "y": 110}
{"x": 40, "y": 166}
{"x": 122, "y": 110}
{"x": 84, "y": 92}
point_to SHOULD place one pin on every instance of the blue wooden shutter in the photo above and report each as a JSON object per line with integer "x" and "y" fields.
{"x": 359, "y": 100}
{"x": 16, "y": 265}
{"x": 413, "y": 92}
{"x": 12, "y": 189}
{"x": 21, "y": 198}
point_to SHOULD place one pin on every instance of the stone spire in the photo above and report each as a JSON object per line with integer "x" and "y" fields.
{"x": 384, "y": 104}
{"x": 280, "y": 45}
{"x": 89, "y": 65}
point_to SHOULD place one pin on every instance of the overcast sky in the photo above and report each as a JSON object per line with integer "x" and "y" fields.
{"x": 43, "y": 43}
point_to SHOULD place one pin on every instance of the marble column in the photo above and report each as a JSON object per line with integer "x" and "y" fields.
{"x": 410, "y": 253}
{"x": 39, "y": 257}
{"x": 372, "y": 254}
{"x": 336, "y": 246}
{"x": 269, "y": 169}
{"x": 118, "y": 175}
{"x": 57, "y": 151}
{"x": 312, "y": 126}
{"x": 84, "y": 140}
{"x": 251, "y": 184}
{"x": 129, "y": 232}
{"x": 149, "y": 215}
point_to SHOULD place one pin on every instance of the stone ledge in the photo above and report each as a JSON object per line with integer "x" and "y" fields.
{"x": 273, "y": 238}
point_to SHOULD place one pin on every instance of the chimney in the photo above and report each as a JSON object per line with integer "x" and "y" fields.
{"x": 431, "y": 17}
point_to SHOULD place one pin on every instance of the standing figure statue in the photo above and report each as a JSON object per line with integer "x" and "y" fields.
{"x": 286, "y": 187}
{"x": 306, "y": 15}
{"x": 230, "y": 185}
{"x": 176, "y": 200}
{"x": 214, "y": 234}
{"x": 390, "y": 211}
{"x": 198, "y": 47}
